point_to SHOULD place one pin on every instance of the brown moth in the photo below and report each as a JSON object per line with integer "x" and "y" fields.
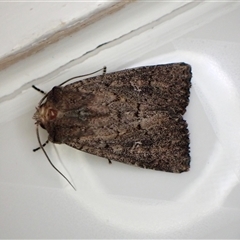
{"x": 132, "y": 116}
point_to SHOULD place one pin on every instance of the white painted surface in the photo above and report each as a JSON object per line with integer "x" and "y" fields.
{"x": 22, "y": 23}
{"x": 121, "y": 201}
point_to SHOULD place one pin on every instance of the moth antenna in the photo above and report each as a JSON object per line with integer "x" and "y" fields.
{"x": 70, "y": 79}
{"x": 41, "y": 146}
{"x": 36, "y": 149}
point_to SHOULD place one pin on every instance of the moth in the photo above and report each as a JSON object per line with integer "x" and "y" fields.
{"x": 133, "y": 116}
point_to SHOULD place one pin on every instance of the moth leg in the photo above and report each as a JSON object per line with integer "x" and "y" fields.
{"x": 38, "y": 89}
{"x": 104, "y": 70}
{"x": 36, "y": 149}
{"x": 109, "y": 161}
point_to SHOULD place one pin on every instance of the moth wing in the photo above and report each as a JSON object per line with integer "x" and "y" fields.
{"x": 160, "y": 142}
{"x": 131, "y": 116}
{"x": 159, "y": 87}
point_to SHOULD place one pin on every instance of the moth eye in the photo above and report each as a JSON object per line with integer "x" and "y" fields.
{"x": 52, "y": 114}
{"x": 42, "y": 126}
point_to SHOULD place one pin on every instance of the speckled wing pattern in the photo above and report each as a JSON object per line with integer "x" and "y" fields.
{"x": 132, "y": 116}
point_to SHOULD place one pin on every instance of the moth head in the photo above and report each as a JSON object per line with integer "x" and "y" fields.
{"x": 44, "y": 114}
